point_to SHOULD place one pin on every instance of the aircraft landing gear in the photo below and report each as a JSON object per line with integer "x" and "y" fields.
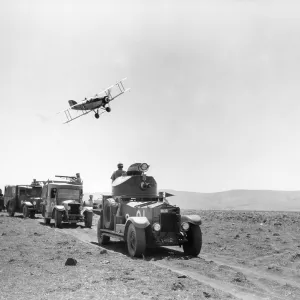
{"x": 96, "y": 115}
{"x": 108, "y": 109}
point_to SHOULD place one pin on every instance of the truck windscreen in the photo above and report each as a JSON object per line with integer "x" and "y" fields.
{"x": 68, "y": 194}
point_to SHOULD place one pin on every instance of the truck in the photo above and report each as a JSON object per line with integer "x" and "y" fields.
{"x": 62, "y": 202}
{"x": 25, "y": 199}
{"x": 138, "y": 214}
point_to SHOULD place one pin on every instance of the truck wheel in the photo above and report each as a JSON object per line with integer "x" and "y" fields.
{"x": 194, "y": 244}
{"x": 31, "y": 214}
{"x": 47, "y": 221}
{"x": 25, "y": 211}
{"x": 42, "y": 210}
{"x": 136, "y": 241}
{"x": 88, "y": 219}
{"x": 58, "y": 218}
{"x": 11, "y": 208}
{"x": 102, "y": 239}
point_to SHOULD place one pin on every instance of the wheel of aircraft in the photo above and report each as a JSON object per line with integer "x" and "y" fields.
{"x": 96, "y": 115}
{"x": 108, "y": 109}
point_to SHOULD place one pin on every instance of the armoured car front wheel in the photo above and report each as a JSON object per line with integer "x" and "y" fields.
{"x": 136, "y": 241}
{"x": 58, "y": 218}
{"x": 25, "y": 211}
{"x": 102, "y": 239}
{"x": 194, "y": 244}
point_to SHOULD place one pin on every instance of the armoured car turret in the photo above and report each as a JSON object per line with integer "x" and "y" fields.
{"x": 141, "y": 216}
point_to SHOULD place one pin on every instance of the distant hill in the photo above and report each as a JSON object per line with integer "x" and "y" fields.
{"x": 233, "y": 200}
{"x": 238, "y": 200}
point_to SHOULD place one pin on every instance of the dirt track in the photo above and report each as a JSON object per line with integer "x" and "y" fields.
{"x": 246, "y": 255}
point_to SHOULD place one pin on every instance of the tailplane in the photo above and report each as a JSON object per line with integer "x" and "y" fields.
{"x": 72, "y": 102}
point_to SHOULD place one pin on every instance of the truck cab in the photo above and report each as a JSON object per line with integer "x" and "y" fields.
{"x": 22, "y": 199}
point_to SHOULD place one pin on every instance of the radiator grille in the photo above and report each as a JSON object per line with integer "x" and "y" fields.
{"x": 74, "y": 209}
{"x": 169, "y": 222}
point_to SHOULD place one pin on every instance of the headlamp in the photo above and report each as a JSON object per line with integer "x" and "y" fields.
{"x": 185, "y": 226}
{"x": 34, "y": 202}
{"x": 156, "y": 227}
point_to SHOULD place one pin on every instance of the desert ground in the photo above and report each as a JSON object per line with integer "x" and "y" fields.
{"x": 245, "y": 255}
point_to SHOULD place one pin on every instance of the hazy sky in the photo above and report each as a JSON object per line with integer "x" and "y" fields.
{"x": 214, "y": 102}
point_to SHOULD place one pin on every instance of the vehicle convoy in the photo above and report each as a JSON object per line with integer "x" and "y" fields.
{"x": 62, "y": 201}
{"x": 24, "y": 199}
{"x": 136, "y": 213}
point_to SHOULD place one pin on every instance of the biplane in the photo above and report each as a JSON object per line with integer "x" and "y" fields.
{"x": 96, "y": 103}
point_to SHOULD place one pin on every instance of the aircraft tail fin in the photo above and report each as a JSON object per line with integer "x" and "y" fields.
{"x": 72, "y": 102}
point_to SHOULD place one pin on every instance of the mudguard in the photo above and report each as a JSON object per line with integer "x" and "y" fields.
{"x": 27, "y": 203}
{"x": 138, "y": 222}
{"x": 87, "y": 209}
{"x": 193, "y": 219}
{"x": 60, "y": 207}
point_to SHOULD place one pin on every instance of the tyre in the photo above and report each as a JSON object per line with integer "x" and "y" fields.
{"x": 110, "y": 207}
{"x": 47, "y": 221}
{"x": 136, "y": 241}
{"x": 102, "y": 239}
{"x": 194, "y": 244}
{"x": 25, "y": 211}
{"x": 31, "y": 214}
{"x": 11, "y": 208}
{"x": 88, "y": 219}
{"x": 58, "y": 218}
{"x": 43, "y": 210}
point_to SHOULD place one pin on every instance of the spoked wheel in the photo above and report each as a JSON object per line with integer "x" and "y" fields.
{"x": 136, "y": 241}
{"x": 102, "y": 239}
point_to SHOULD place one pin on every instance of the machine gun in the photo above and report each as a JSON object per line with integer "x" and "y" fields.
{"x": 67, "y": 177}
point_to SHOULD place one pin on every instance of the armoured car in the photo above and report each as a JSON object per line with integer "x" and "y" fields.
{"x": 62, "y": 201}
{"x": 136, "y": 213}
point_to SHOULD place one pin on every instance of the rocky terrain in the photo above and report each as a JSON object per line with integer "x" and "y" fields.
{"x": 245, "y": 255}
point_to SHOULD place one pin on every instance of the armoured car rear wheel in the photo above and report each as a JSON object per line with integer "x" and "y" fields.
{"x": 102, "y": 239}
{"x": 25, "y": 211}
{"x": 58, "y": 218}
{"x": 88, "y": 219}
{"x": 194, "y": 244}
{"x": 136, "y": 241}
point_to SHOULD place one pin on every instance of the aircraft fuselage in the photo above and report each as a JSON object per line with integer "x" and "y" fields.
{"x": 91, "y": 104}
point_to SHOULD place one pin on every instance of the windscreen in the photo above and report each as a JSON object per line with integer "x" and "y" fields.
{"x": 36, "y": 192}
{"x": 68, "y": 194}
